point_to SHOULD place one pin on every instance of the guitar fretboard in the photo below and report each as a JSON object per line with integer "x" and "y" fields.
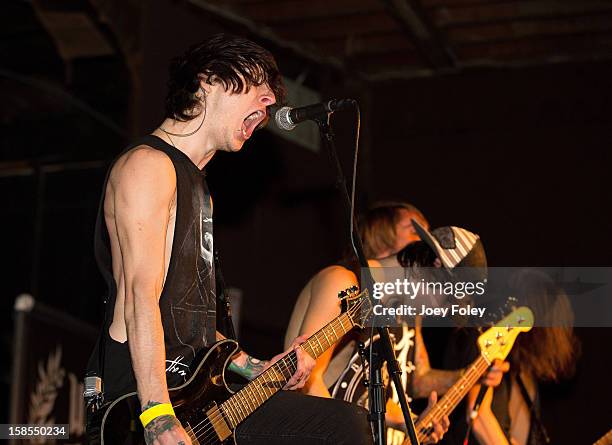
{"x": 452, "y": 397}
{"x": 259, "y": 390}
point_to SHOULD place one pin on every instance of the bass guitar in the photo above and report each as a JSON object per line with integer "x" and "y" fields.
{"x": 495, "y": 343}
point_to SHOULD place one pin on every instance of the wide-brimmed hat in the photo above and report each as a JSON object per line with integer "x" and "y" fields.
{"x": 456, "y": 247}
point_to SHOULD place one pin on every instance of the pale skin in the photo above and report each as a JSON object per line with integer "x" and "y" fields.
{"x": 140, "y": 211}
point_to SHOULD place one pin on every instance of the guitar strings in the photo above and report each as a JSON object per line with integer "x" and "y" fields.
{"x": 279, "y": 365}
{"x": 454, "y": 398}
{"x": 474, "y": 373}
{"x": 208, "y": 431}
{"x": 477, "y": 369}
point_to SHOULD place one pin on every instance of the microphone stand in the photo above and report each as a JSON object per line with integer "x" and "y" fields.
{"x": 375, "y": 388}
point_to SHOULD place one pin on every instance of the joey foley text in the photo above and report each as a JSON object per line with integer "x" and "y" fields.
{"x": 410, "y": 289}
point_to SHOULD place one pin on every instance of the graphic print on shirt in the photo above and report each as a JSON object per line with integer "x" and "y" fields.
{"x": 193, "y": 314}
{"x": 350, "y": 388}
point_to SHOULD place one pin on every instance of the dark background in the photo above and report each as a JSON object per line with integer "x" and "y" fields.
{"x": 518, "y": 154}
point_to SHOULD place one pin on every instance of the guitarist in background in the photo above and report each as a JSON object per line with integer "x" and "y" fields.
{"x": 154, "y": 247}
{"x": 388, "y": 233}
{"x": 509, "y": 414}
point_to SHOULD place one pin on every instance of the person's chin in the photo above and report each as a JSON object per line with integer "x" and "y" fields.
{"x": 236, "y": 146}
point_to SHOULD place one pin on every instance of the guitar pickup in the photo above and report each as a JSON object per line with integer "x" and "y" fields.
{"x": 218, "y": 422}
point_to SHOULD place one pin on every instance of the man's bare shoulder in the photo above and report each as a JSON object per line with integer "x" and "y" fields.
{"x": 331, "y": 272}
{"x": 143, "y": 159}
{"x": 335, "y": 277}
{"x": 142, "y": 166}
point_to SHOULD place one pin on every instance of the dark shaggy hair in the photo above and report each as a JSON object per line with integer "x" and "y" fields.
{"x": 237, "y": 63}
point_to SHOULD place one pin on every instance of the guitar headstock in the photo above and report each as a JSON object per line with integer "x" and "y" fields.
{"x": 498, "y": 340}
{"x": 356, "y": 304}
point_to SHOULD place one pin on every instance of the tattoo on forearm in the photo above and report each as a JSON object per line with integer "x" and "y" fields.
{"x": 438, "y": 380}
{"x": 247, "y": 366}
{"x": 421, "y": 357}
{"x": 158, "y": 425}
{"x": 150, "y": 404}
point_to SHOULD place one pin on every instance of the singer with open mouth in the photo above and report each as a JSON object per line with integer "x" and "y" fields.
{"x": 154, "y": 246}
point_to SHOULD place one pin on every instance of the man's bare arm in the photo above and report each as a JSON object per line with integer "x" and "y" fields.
{"x": 486, "y": 427}
{"x": 144, "y": 187}
{"x": 250, "y": 367}
{"x": 425, "y": 379}
{"x": 246, "y": 366}
{"x": 243, "y": 364}
{"x": 324, "y": 306}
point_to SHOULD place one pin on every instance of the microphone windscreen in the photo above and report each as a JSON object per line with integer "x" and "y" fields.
{"x": 282, "y": 119}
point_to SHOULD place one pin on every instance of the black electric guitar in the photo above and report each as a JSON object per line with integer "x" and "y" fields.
{"x": 205, "y": 406}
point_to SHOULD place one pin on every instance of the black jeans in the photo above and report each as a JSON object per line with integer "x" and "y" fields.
{"x": 294, "y": 418}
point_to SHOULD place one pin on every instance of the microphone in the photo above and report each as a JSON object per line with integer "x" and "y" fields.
{"x": 287, "y": 118}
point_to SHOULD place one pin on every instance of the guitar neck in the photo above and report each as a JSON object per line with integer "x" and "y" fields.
{"x": 452, "y": 397}
{"x": 259, "y": 390}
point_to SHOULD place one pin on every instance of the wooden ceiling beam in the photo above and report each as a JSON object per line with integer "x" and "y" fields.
{"x": 527, "y": 29}
{"x": 455, "y": 3}
{"x": 337, "y": 26}
{"x": 419, "y": 26}
{"x": 545, "y": 48}
{"x": 513, "y": 11}
{"x": 267, "y": 33}
{"x": 390, "y": 59}
{"x": 366, "y": 43}
{"x": 298, "y": 10}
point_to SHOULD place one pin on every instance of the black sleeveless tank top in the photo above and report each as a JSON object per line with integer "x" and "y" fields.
{"x": 187, "y": 301}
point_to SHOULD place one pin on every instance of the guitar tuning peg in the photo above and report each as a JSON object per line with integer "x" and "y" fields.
{"x": 342, "y": 294}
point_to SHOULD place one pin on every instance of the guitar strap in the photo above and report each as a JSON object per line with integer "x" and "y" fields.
{"x": 535, "y": 415}
{"x": 225, "y": 324}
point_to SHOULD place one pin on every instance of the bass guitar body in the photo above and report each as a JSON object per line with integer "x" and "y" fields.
{"x": 195, "y": 404}
{"x": 205, "y": 406}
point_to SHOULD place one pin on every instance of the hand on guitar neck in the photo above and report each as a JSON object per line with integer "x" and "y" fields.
{"x": 305, "y": 364}
{"x": 249, "y": 367}
{"x": 495, "y": 374}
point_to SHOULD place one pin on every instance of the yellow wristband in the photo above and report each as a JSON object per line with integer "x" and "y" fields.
{"x": 155, "y": 411}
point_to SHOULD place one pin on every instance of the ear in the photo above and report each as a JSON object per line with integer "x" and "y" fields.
{"x": 437, "y": 263}
{"x": 205, "y": 87}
